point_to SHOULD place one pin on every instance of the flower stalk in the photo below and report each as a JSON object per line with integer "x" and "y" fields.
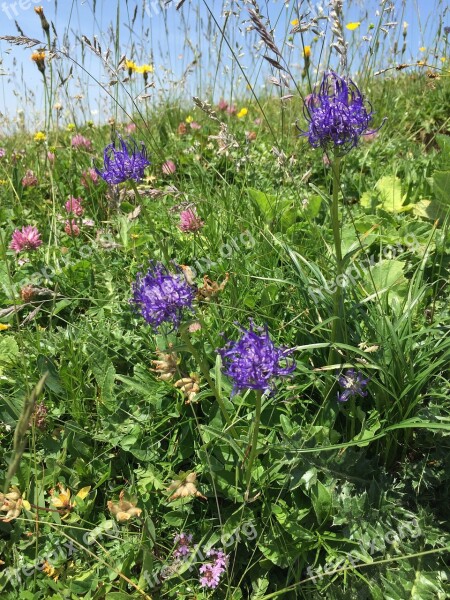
{"x": 254, "y": 440}
{"x": 204, "y": 368}
{"x": 337, "y": 335}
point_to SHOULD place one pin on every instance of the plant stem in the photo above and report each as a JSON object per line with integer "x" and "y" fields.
{"x": 204, "y": 368}
{"x": 254, "y": 441}
{"x": 338, "y": 305}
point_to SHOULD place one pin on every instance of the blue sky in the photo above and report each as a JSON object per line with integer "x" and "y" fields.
{"x": 164, "y": 44}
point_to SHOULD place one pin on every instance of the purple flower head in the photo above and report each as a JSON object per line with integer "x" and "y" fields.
{"x": 126, "y": 162}
{"x": 162, "y": 296}
{"x": 352, "y": 384}
{"x": 2, "y": 152}
{"x": 338, "y": 115}
{"x": 253, "y": 361}
{"x": 447, "y": 30}
{"x": 183, "y": 545}
{"x": 27, "y": 239}
{"x": 212, "y": 571}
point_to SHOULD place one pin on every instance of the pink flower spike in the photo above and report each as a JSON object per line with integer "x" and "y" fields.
{"x": 30, "y": 179}
{"x": 27, "y": 239}
{"x": 222, "y": 105}
{"x": 72, "y": 229}
{"x": 79, "y": 141}
{"x": 169, "y": 167}
{"x": 89, "y": 177}
{"x": 190, "y": 222}
{"x": 73, "y": 205}
{"x": 195, "y": 126}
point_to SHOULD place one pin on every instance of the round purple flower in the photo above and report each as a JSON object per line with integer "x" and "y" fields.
{"x": 254, "y": 361}
{"x": 162, "y": 296}
{"x": 126, "y": 162}
{"x": 352, "y": 384}
{"x": 338, "y": 115}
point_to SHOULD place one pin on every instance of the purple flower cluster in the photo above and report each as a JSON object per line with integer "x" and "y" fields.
{"x": 352, "y": 384}
{"x": 254, "y": 360}
{"x": 337, "y": 115}
{"x": 183, "y": 545}
{"x": 162, "y": 296}
{"x": 212, "y": 571}
{"x": 123, "y": 163}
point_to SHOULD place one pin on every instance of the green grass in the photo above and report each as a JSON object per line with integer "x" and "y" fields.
{"x": 338, "y": 500}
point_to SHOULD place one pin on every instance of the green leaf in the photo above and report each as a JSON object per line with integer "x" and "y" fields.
{"x": 386, "y": 276}
{"x": 440, "y": 184}
{"x": 390, "y": 189}
{"x": 53, "y": 382}
{"x": 265, "y": 203}
{"x": 9, "y": 351}
{"x": 321, "y": 499}
{"x": 443, "y": 142}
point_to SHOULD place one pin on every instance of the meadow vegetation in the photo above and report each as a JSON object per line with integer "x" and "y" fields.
{"x": 224, "y": 335}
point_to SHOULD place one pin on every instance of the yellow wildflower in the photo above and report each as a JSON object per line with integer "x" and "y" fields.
{"x": 71, "y": 127}
{"x": 242, "y": 113}
{"x": 39, "y": 58}
{"x": 131, "y": 66}
{"x": 4, "y": 326}
{"x": 353, "y": 26}
{"x": 422, "y": 49}
{"x": 50, "y": 570}
{"x": 63, "y": 502}
{"x": 145, "y": 69}
{"x": 443, "y": 59}
{"x": 189, "y": 119}
{"x": 307, "y": 51}
{"x": 40, "y": 136}
{"x": 3, "y": 182}
{"x": 294, "y": 22}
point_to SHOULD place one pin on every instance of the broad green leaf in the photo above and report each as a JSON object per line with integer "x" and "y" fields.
{"x": 265, "y": 203}
{"x": 392, "y": 199}
{"x": 9, "y": 351}
{"x": 386, "y": 276}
